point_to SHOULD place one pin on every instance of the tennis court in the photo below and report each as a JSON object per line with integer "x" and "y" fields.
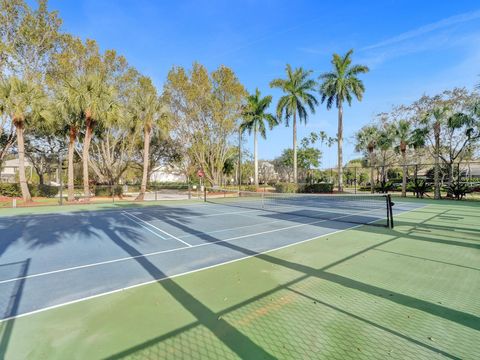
{"x": 250, "y": 278}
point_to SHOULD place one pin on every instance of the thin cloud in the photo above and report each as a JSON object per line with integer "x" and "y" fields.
{"x": 453, "y": 20}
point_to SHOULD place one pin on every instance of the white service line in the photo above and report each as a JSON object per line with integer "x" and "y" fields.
{"x": 157, "y": 228}
{"x": 180, "y": 248}
{"x": 143, "y": 226}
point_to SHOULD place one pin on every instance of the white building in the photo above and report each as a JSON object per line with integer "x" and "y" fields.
{"x": 167, "y": 174}
{"x": 9, "y": 170}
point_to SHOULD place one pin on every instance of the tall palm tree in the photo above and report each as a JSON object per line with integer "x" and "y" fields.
{"x": 93, "y": 97}
{"x": 145, "y": 110}
{"x": 70, "y": 120}
{"x": 255, "y": 117}
{"x": 23, "y": 102}
{"x": 337, "y": 87}
{"x": 367, "y": 138}
{"x": 403, "y": 135}
{"x": 298, "y": 88}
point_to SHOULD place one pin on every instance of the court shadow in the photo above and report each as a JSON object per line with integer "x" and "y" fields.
{"x": 201, "y": 311}
{"x": 240, "y": 344}
{"x": 11, "y": 298}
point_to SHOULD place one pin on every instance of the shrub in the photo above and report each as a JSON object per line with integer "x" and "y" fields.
{"x": 458, "y": 190}
{"x": 10, "y": 190}
{"x": 419, "y": 187}
{"x": 384, "y": 187}
{"x": 318, "y": 188}
{"x": 286, "y": 187}
{"x": 44, "y": 190}
{"x": 167, "y": 186}
{"x": 249, "y": 188}
{"x": 108, "y": 190}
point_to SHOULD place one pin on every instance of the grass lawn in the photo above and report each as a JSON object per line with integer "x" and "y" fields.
{"x": 369, "y": 292}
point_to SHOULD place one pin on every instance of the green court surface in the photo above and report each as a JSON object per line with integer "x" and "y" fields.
{"x": 411, "y": 292}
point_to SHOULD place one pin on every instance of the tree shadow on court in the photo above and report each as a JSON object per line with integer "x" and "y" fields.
{"x": 438, "y": 310}
{"x": 226, "y": 333}
{"x": 126, "y": 236}
{"x": 10, "y": 300}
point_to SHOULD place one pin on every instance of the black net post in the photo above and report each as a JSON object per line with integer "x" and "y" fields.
{"x": 390, "y": 211}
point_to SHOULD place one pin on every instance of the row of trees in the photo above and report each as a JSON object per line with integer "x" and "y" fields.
{"x": 336, "y": 87}
{"x": 443, "y": 129}
{"x": 57, "y": 89}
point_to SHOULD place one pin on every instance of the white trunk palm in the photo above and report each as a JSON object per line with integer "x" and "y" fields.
{"x": 337, "y": 87}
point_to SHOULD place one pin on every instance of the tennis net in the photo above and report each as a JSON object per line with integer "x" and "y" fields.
{"x": 375, "y": 209}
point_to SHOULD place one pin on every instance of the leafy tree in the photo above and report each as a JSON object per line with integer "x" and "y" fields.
{"x": 298, "y": 88}
{"x": 23, "y": 102}
{"x": 92, "y": 82}
{"x": 337, "y": 87}
{"x": 255, "y": 117}
{"x": 366, "y": 141}
{"x": 42, "y": 149}
{"x": 403, "y": 135}
{"x": 204, "y": 108}
{"x": 28, "y": 39}
{"x": 7, "y": 135}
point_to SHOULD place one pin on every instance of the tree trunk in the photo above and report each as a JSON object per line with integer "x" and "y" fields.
{"x": 372, "y": 174}
{"x": 436, "y": 129}
{"x": 404, "y": 178}
{"x": 255, "y": 154}
{"x": 340, "y": 147}
{"x": 21, "y": 161}
{"x": 146, "y": 152}
{"x": 85, "y": 155}
{"x": 71, "y": 150}
{"x": 295, "y": 177}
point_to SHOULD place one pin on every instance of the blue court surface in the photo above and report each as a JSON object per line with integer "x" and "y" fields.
{"x": 55, "y": 259}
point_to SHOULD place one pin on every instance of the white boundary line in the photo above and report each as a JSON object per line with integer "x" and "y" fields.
{"x": 157, "y": 228}
{"x": 181, "y": 274}
{"x": 175, "y": 249}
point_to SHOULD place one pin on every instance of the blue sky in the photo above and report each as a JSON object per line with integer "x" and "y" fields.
{"x": 411, "y": 47}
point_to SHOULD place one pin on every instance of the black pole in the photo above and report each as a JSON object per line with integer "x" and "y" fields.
{"x": 390, "y": 211}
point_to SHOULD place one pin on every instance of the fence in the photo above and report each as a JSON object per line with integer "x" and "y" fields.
{"x": 10, "y": 194}
{"x": 459, "y": 179}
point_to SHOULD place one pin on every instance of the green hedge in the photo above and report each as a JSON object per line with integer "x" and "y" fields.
{"x": 318, "y": 188}
{"x": 10, "y": 190}
{"x": 286, "y": 188}
{"x": 13, "y": 190}
{"x": 43, "y": 190}
{"x": 107, "y": 190}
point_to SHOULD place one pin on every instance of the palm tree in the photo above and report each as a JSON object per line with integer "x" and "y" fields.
{"x": 70, "y": 121}
{"x": 22, "y": 102}
{"x": 403, "y": 134}
{"x": 145, "y": 109}
{"x": 93, "y": 97}
{"x": 367, "y": 138}
{"x": 336, "y": 88}
{"x": 255, "y": 116}
{"x": 298, "y": 87}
